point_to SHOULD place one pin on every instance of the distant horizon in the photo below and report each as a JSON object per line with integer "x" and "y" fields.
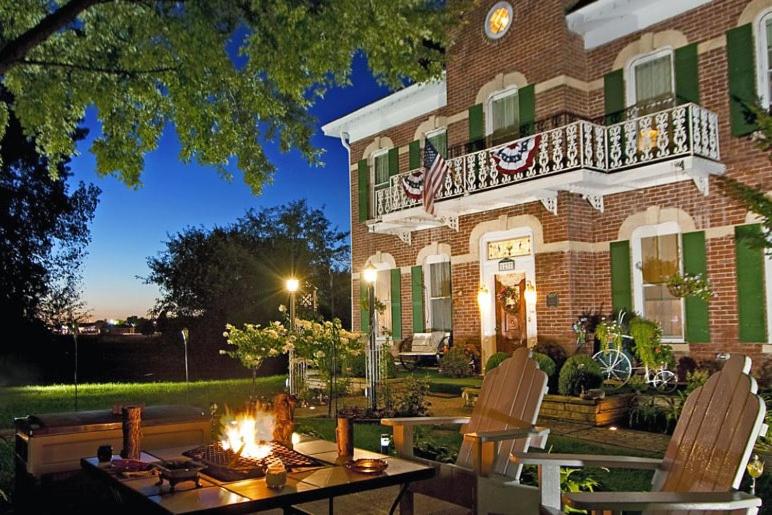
{"x": 131, "y": 224}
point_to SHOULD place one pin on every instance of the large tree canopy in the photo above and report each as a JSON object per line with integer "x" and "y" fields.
{"x": 237, "y": 273}
{"x": 147, "y": 63}
{"x": 44, "y": 231}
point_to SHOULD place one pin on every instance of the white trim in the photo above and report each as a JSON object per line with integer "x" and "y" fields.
{"x": 768, "y": 290}
{"x": 493, "y": 36}
{"x": 646, "y": 231}
{"x": 762, "y": 59}
{"x": 378, "y": 153}
{"x": 390, "y": 111}
{"x": 497, "y": 95}
{"x": 604, "y": 21}
{"x": 630, "y": 93}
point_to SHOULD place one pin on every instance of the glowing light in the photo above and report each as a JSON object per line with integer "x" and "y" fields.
{"x": 530, "y": 294}
{"x": 292, "y": 285}
{"x": 499, "y": 20}
{"x": 483, "y": 298}
{"x": 295, "y": 438}
{"x": 370, "y": 274}
{"x": 612, "y": 428}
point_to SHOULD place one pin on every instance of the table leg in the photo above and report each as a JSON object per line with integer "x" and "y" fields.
{"x": 331, "y": 507}
{"x": 402, "y": 491}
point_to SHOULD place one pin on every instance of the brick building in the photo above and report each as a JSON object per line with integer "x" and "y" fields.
{"x": 583, "y": 140}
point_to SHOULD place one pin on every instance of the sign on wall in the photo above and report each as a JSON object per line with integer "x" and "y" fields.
{"x": 509, "y": 248}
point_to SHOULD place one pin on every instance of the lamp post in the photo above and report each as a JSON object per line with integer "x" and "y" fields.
{"x": 370, "y": 275}
{"x": 292, "y": 286}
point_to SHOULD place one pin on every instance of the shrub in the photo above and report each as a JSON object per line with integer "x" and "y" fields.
{"x": 579, "y": 373}
{"x": 455, "y": 363}
{"x": 553, "y": 350}
{"x": 685, "y": 365}
{"x": 495, "y": 360}
{"x": 545, "y": 363}
{"x": 410, "y": 399}
{"x": 695, "y": 379}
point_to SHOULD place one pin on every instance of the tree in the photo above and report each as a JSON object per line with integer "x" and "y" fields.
{"x": 44, "y": 231}
{"x": 236, "y": 273}
{"x": 229, "y": 74}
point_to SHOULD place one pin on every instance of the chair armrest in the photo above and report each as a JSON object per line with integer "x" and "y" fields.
{"x": 423, "y": 421}
{"x": 484, "y": 444}
{"x": 662, "y": 501}
{"x": 586, "y": 460}
{"x": 403, "y": 430}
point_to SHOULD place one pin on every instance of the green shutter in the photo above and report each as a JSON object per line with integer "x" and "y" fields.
{"x": 393, "y": 161}
{"x": 364, "y": 314}
{"x": 749, "y": 268}
{"x": 614, "y": 96}
{"x": 415, "y": 154}
{"x": 364, "y": 190}
{"x": 695, "y": 262}
{"x": 742, "y": 79}
{"x": 621, "y": 283}
{"x": 687, "y": 80}
{"x": 476, "y": 123}
{"x": 527, "y": 107}
{"x": 417, "y": 289}
{"x": 396, "y": 304}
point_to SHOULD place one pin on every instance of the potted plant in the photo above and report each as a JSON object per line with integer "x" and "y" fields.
{"x": 690, "y": 285}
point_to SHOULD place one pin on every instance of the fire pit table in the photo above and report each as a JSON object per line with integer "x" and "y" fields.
{"x": 329, "y": 479}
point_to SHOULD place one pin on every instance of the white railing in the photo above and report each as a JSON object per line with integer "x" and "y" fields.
{"x": 683, "y": 130}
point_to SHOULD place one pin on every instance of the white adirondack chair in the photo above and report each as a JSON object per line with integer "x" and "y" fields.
{"x": 502, "y": 422}
{"x": 703, "y": 464}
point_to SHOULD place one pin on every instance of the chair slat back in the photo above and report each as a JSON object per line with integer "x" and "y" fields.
{"x": 510, "y": 396}
{"x": 714, "y": 437}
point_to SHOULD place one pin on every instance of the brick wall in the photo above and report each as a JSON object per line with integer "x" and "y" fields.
{"x": 540, "y": 47}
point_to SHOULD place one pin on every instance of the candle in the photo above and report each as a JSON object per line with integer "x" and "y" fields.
{"x": 276, "y": 475}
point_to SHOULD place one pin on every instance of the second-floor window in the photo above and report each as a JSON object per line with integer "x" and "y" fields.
{"x": 764, "y": 36}
{"x": 650, "y": 78}
{"x": 504, "y": 113}
{"x": 439, "y": 140}
{"x": 381, "y": 171}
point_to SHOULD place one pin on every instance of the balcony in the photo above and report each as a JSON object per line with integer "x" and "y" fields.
{"x": 585, "y": 157}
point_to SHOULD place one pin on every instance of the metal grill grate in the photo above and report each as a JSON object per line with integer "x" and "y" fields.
{"x": 225, "y": 465}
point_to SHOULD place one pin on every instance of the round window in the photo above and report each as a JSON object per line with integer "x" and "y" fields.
{"x": 498, "y": 20}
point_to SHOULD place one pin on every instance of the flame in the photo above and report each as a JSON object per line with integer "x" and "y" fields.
{"x": 249, "y": 435}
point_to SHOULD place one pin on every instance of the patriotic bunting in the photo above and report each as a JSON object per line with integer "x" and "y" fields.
{"x": 517, "y": 156}
{"x": 413, "y": 185}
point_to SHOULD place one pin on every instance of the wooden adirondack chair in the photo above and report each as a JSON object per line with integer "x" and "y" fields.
{"x": 502, "y": 422}
{"x": 704, "y": 462}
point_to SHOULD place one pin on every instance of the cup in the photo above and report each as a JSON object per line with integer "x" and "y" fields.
{"x": 105, "y": 453}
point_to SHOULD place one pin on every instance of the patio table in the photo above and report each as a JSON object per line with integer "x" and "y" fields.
{"x": 251, "y": 495}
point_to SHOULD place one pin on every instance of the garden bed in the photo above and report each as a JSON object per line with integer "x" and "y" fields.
{"x": 597, "y": 412}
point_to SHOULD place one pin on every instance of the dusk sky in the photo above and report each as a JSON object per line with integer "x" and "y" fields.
{"x": 131, "y": 225}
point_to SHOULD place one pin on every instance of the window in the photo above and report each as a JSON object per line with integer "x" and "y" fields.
{"x": 764, "y": 38}
{"x": 657, "y": 256}
{"x": 439, "y": 140}
{"x": 504, "y": 113}
{"x": 381, "y": 173}
{"x": 383, "y": 299}
{"x": 650, "y": 78}
{"x": 439, "y": 293}
{"x": 498, "y": 20}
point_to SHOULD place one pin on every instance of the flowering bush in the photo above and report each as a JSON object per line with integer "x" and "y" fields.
{"x": 254, "y": 343}
{"x": 319, "y": 342}
{"x": 690, "y": 285}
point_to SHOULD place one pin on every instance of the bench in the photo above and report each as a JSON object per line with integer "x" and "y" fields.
{"x": 421, "y": 346}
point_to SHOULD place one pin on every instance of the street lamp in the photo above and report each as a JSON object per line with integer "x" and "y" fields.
{"x": 370, "y": 275}
{"x": 292, "y": 286}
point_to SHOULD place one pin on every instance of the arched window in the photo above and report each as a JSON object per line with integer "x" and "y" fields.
{"x": 763, "y": 29}
{"x": 650, "y": 77}
{"x": 503, "y": 113}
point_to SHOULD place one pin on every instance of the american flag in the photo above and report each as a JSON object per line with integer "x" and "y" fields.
{"x": 434, "y": 176}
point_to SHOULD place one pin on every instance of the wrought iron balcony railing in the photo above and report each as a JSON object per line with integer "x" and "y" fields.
{"x": 679, "y": 131}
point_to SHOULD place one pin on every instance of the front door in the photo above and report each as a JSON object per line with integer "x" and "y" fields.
{"x": 510, "y": 312}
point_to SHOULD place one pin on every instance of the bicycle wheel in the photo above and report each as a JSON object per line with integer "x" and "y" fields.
{"x": 615, "y": 367}
{"x": 664, "y": 381}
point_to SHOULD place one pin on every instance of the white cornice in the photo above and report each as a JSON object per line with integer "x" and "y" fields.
{"x": 606, "y": 20}
{"x": 390, "y": 111}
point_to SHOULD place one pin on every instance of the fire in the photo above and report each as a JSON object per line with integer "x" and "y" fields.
{"x": 248, "y": 434}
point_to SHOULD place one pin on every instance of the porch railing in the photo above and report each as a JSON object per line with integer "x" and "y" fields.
{"x": 683, "y": 130}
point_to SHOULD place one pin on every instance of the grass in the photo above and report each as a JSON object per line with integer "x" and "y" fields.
{"x": 23, "y": 400}
{"x": 443, "y": 384}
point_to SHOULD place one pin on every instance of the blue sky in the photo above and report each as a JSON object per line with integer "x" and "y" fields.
{"x": 132, "y": 224}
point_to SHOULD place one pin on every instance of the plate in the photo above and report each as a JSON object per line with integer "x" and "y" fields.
{"x": 367, "y": 465}
{"x": 130, "y": 466}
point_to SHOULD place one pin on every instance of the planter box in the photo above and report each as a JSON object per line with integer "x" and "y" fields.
{"x": 597, "y": 412}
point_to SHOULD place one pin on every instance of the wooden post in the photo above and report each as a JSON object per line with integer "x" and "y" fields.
{"x": 549, "y": 484}
{"x": 132, "y": 432}
{"x": 344, "y": 436}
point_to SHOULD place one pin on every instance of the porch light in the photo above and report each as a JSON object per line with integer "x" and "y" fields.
{"x": 370, "y": 274}
{"x": 530, "y": 293}
{"x": 292, "y": 285}
{"x": 651, "y": 136}
{"x": 483, "y": 298}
